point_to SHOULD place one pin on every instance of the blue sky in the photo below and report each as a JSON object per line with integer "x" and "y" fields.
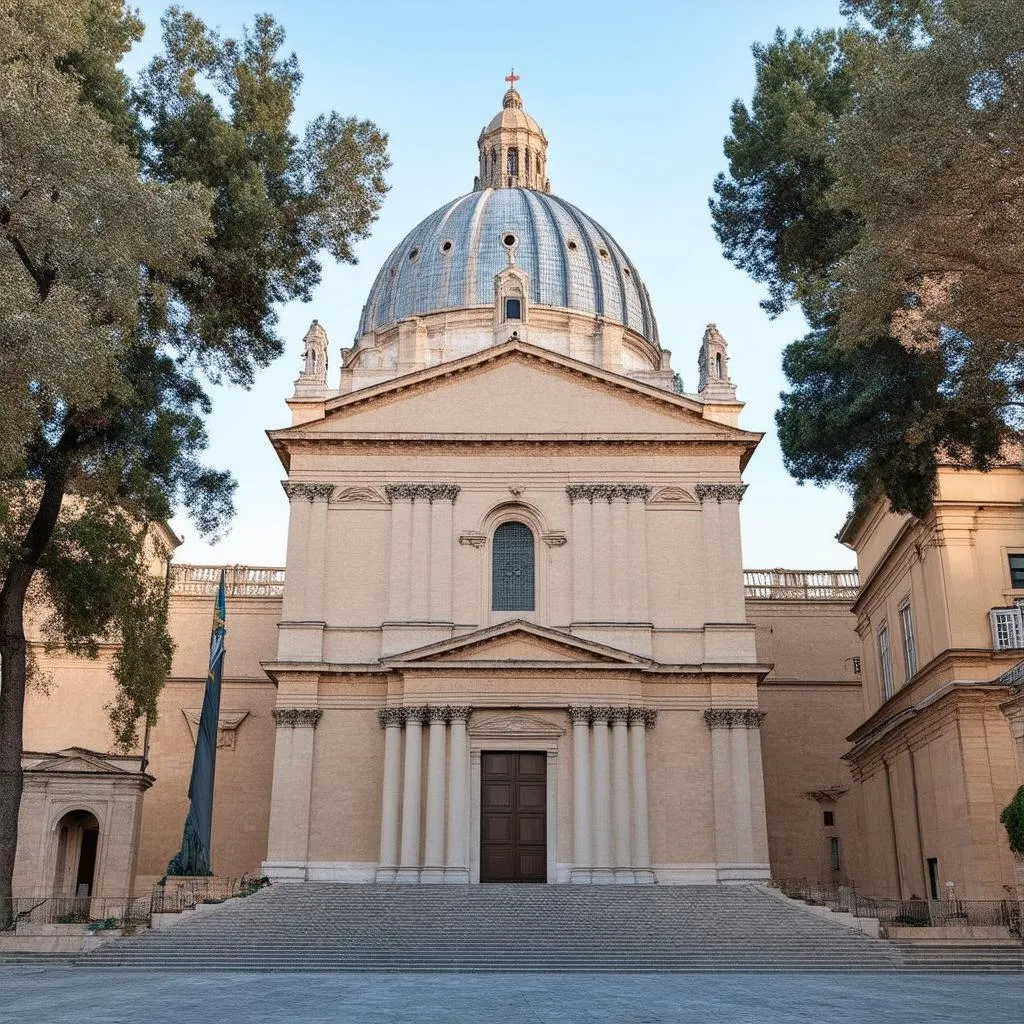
{"x": 634, "y": 99}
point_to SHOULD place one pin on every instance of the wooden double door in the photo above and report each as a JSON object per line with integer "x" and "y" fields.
{"x": 513, "y": 816}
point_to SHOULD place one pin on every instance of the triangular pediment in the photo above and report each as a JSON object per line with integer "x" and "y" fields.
{"x": 516, "y": 642}
{"x": 79, "y": 760}
{"x": 514, "y": 390}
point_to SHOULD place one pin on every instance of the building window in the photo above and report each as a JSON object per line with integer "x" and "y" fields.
{"x": 513, "y": 162}
{"x": 933, "y": 877}
{"x": 1017, "y": 572}
{"x": 830, "y": 818}
{"x": 513, "y": 309}
{"x": 835, "y": 855}
{"x": 907, "y": 637}
{"x": 885, "y": 660}
{"x": 512, "y": 568}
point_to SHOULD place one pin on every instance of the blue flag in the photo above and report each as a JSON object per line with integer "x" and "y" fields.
{"x": 194, "y": 856}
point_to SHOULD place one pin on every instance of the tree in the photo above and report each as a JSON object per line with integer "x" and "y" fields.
{"x": 148, "y": 230}
{"x": 875, "y": 181}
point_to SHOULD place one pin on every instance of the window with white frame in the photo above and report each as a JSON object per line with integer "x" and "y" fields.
{"x": 885, "y": 660}
{"x": 1017, "y": 572}
{"x": 907, "y": 638}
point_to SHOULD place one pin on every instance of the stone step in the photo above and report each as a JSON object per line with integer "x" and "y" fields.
{"x": 323, "y": 927}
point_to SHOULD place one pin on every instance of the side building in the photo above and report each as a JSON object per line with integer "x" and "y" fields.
{"x": 939, "y": 617}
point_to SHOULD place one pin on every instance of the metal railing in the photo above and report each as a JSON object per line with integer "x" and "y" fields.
{"x": 801, "y": 584}
{"x": 178, "y": 894}
{"x": 239, "y": 580}
{"x": 105, "y": 912}
{"x": 98, "y": 912}
{"x": 912, "y": 913}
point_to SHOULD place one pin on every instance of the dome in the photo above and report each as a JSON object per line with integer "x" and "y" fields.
{"x": 512, "y": 115}
{"x": 449, "y": 261}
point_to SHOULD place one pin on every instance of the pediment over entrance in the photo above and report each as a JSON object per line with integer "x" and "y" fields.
{"x": 516, "y": 642}
{"x": 81, "y": 761}
{"x": 522, "y": 726}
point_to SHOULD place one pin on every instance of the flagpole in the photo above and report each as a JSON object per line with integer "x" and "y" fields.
{"x": 194, "y": 856}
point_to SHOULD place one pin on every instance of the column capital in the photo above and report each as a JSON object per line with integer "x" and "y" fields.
{"x": 720, "y": 492}
{"x": 423, "y": 492}
{"x": 645, "y": 716}
{"x": 733, "y": 718}
{"x": 417, "y": 714}
{"x": 609, "y": 492}
{"x": 459, "y": 712}
{"x": 601, "y": 714}
{"x": 297, "y": 718}
{"x": 394, "y": 717}
{"x": 618, "y": 716}
{"x": 580, "y": 714}
{"x": 307, "y": 491}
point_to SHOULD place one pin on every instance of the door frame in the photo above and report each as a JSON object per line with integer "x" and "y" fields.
{"x": 514, "y": 733}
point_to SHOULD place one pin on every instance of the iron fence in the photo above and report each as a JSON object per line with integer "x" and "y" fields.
{"x": 912, "y": 913}
{"x": 178, "y": 894}
{"x": 98, "y": 912}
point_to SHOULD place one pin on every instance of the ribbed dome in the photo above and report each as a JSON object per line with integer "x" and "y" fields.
{"x": 449, "y": 261}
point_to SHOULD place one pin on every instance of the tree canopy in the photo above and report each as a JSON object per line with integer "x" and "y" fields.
{"x": 149, "y": 229}
{"x": 875, "y": 181}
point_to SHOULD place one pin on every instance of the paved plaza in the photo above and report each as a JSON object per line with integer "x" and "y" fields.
{"x": 58, "y": 995}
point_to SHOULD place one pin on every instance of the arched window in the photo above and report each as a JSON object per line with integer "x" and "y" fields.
{"x": 718, "y": 365}
{"x": 512, "y": 568}
{"x": 513, "y": 162}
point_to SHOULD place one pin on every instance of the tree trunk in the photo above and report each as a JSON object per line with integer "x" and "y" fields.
{"x": 13, "y": 661}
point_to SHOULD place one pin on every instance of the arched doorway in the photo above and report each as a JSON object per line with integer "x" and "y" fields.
{"x": 78, "y": 836}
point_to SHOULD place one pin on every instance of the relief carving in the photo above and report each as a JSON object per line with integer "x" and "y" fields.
{"x": 311, "y": 492}
{"x": 672, "y": 496}
{"x": 359, "y": 494}
{"x": 609, "y": 492}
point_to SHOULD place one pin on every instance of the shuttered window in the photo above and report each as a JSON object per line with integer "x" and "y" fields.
{"x": 512, "y": 568}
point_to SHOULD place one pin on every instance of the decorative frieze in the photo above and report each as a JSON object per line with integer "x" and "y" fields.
{"x": 297, "y": 718}
{"x": 609, "y": 492}
{"x": 422, "y": 492}
{"x": 359, "y": 494}
{"x": 720, "y": 492}
{"x": 733, "y": 718}
{"x": 310, "y": 492}
{"x": 588, "y": 713}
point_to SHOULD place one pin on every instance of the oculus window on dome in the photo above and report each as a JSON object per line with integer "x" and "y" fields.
{"x": 512, "y": 568}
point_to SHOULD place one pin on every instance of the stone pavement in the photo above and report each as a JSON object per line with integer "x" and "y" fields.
{"x": 59, "y": 995}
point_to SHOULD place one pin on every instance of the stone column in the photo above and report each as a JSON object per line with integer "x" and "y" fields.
{"x": 723, "y": 562}
{"x": 601, "y": 558}
{"x": 739, "y": 829}
{"x": 758, "y": 814}
{"x": 640, "y": 720}
{"x": 401, "y": 554}
{"x": 437, "y": 763}
{"x": 637, "y": 512}
{"x": 582, "y": 558}
{"x": 602, "y": 867}
{"x": 619, "y": 556}
{"x": 441, "y": 515}
{"x": 288, "y": 837}
{"x": 300, "y": 501}
{"x": 409, "y": 863}
{"x": 419, "y": 587}
{"x": 391, "y": 720}
{"x": 581, "y": 798}
{"x": 456, "y": 862}
{"x": 620, "y": 794}
{"x": 316, "y": 575}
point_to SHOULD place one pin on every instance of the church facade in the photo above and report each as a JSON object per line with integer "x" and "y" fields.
{"x": 514, "y": 603}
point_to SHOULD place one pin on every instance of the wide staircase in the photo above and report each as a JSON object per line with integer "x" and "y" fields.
{"x": 332, "y": 927}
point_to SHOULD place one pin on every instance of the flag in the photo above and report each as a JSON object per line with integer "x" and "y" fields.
{"x": 194, "y": 856}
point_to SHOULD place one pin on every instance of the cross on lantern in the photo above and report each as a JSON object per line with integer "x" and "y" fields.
{"x": 512, "y": 78}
